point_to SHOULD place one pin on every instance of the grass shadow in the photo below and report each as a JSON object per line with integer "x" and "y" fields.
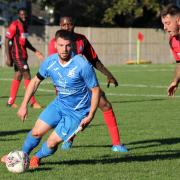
{"x": 9, "y": 133}
{"x": 154, "y": 142}
{"x": 38, "y": 170}
{"x": 160, "y": 155}
{"x": 139, "y": 101}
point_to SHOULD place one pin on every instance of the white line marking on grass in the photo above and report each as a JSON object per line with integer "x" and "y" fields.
{"x": 5, "y": 79}
{"x": 137, "y": 95}
{"x": 121, "y": 94}
{"x": 47, "y": 90}
{"x": 114, "y": 94}
{"x": 9, "y": 79}
{"x": 139, "y": 85}
{"x": 140, "y": 70}
{"x": 103, "y": 83}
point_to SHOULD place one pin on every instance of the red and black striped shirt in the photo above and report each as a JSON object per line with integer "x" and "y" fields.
{"x": 17, "y": 32}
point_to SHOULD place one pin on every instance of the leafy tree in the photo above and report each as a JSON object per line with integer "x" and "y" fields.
{"x": 131, "y": 10}
{"x": 135, "y": 13}
{"x": 125, "y": 13}
{"x": 86, "y": 13}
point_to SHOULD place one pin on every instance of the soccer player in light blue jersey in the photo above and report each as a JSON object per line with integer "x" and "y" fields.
{"x": 84, "y": 47}
{"x": 75, "y": 105}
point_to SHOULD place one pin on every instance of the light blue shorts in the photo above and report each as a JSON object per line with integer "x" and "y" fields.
{"x": 64, "y": 125}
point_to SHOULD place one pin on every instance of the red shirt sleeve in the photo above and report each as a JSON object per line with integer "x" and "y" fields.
{"x": 89, "y": 51}
{"x": 51, "y": 47}
{"x": 11, "y": 30}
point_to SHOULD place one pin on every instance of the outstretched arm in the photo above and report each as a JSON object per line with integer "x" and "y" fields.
{"x": 31, "y": 89}
{"x": 92, "y": 57}
{"x": 174, "y": 84}
{"x": 110, "y": 78}
{"x": 37, "y": 53}
{"x": 94, "y": 104}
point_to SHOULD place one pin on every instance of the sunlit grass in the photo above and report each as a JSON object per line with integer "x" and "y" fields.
{"x": 148, "y": 121}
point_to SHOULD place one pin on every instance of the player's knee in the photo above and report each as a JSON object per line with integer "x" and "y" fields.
{"x": 18, "y": 76}
{"x": 36, "y": 133}
{"x": 52, "y": 143}
{"x": 26, "y": 75}
{"x": 104, "y": 104}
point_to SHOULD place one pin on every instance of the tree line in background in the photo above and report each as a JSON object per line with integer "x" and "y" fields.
{"x": 107, "y": 13}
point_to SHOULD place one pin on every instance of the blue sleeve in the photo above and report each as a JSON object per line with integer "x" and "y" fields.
{"x": 88, "y": 74}
{"x": 43, "y": 70}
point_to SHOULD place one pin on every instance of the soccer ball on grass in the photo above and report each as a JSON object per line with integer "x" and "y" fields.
{"x": 17, "y": 161}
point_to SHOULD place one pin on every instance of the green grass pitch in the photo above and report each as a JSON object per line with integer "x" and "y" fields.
{"x": 148, "y": 120}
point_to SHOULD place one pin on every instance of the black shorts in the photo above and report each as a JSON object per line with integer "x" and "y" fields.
{"x": 20, "y": 65}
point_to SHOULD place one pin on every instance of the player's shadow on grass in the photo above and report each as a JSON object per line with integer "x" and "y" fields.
{"x": 38, "y": 170}
{"x": 154, "y": 142}
{"x": 9, "y": 133}
{"x": 138, "y": 101}
{"x": 159, "y": 155}
{"x": 5, "y": 139}
{"x": 139, "y": 144}
{"x": 92, "y": 146}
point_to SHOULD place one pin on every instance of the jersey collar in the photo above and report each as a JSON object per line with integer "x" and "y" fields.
{"x": 66, "y": 64}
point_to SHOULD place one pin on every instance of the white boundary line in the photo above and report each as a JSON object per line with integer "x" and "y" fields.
{"x": 102, "y": 83}
{"x": 122, "y": 94}
{"x": 147, "y": 70}
{"x": 114, "y": 94}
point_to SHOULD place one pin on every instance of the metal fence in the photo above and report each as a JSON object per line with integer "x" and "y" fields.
{"x": 114, "y": 46}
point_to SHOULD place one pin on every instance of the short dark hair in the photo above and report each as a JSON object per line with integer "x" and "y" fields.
{"x": 66, "y": 16}
{"x": 170, "y": 9}
{"x": 22, "y": 9}
{"x": 64, "y": 34}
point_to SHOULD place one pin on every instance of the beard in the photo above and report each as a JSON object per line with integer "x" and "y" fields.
{"x": 65, "y": 58}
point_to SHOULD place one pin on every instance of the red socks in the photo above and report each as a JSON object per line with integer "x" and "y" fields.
{"x": 26, "y": 82}
{"x": 111, "y": 123}
{"x": 13, "y": 92}
{"x": 14, "y": 89}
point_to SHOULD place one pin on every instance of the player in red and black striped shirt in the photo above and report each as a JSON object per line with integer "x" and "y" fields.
{"x": 170, "y": 17}
{"x": 83, "y": 46}
{"x": 16, "y": 54}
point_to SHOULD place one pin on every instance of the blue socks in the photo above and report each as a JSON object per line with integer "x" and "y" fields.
{"x": 45, "y": 151}
{"x": 30, "y": 143}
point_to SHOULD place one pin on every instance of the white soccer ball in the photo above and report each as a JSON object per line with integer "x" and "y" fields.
{"x": 17, "y": 161}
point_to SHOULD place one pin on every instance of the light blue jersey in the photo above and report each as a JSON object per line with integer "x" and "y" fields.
{"x": 73, "y": 82}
